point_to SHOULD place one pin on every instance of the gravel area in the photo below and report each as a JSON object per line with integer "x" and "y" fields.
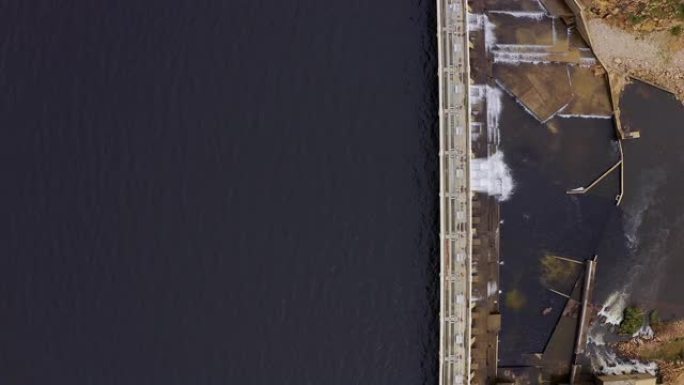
{"x": 651, "y": 56}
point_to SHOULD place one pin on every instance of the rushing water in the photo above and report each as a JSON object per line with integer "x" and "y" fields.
{"x": 652, "y": 220}
{"x": 641, "y": 257}
{"x": 218, "y": 192}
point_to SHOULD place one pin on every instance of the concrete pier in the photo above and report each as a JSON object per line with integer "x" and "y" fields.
{"x": 583, "y": 190}
{"x": 584, "y": 316}
{"x": 455, "y": 194}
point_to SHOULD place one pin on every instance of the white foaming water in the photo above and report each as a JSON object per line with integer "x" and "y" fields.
{"x": 521, "y": 14}
{"x": 494, "y": 108}
{"x": 489, "y": 33}
{"x": 587, "y": 62}
{"x": 605, "y": 361}
{"x": 645, "y": 332}
{"x": 521, "y": 53}
{"x": 596, "y": 338}
{"x": 518, "y": 59}
{"x": 477, "y": 94}
{"x": 480, "y": 22}
{"x": 475, "y": 22}
{"x": 492, "y": 176}
{"x": 614, "y": 307}
{"x": 585, "y": 116}
{"x": 645, "y": 197}
{"x": 492, "y": 288}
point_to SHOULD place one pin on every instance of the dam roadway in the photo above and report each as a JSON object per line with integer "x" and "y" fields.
{"x": 455, "y": 316}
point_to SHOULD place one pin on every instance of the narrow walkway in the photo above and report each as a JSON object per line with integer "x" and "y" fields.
{"x": 455, "y": 206}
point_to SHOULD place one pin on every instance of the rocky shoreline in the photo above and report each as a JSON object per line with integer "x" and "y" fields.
{"x": 647, "y": 50}
{"x": 648, "y": 57}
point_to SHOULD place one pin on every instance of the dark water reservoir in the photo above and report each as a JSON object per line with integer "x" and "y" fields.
{"x": 217, "y": 192}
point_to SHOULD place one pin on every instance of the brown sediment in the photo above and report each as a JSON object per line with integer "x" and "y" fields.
{"x": 590, "y": 96}
{"x": 636, "y": 39}
{"x": 529, "y": 84}
{"x": 639, "y": 15}
{"x": 651, "y": 57}
{"x": 666, "y": 349}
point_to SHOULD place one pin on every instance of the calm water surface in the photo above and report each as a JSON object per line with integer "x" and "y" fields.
{"x": 218, "y": 192}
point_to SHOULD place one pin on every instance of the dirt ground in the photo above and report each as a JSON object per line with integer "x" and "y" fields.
{"x": 640, "y": 15}
{"x": 658, "y": 349}
{"x": 656, "y": 57}
{"x": 640, "y": 39}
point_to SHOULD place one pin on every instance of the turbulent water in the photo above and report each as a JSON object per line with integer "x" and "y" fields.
{"x": 644, "y": 261}
{"x": 532, "y": 168}
{"x": 638, "y": 244}
{"x": 218, "y": 192}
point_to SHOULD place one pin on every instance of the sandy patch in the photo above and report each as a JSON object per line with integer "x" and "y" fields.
{"x": 656, "y": 57}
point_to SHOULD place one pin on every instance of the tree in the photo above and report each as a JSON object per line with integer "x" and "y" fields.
{"x": 632, "y": 320}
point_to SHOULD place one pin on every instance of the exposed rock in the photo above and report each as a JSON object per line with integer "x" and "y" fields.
{"x": 652, "y": 57}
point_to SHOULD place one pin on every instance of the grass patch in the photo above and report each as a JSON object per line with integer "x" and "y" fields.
{"x": 676, "y": 30}
{"x": 670, "y": 351}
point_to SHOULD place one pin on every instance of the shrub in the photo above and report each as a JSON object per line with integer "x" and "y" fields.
{"x": 632, "y": 320}
{"x": 676, "y": 30}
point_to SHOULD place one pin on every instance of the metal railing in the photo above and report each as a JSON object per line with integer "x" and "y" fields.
{"x": 455, "y": 195}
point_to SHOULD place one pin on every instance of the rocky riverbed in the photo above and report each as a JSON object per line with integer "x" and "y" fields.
{"x": 641, "y": 41}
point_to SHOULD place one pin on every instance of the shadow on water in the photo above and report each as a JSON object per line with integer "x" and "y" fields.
{"x": 542, "y": 220}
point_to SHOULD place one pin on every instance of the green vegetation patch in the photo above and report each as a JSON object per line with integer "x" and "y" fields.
{"x": 515, "y": 299}
{"x": 557, "y": 271}
{"x": 642, "y": 15}
{"x": 632, "y": 320}
{"x": 669, "y": 351}
{"x": 676, "y": 30}
{"x": 654, "y": 319}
